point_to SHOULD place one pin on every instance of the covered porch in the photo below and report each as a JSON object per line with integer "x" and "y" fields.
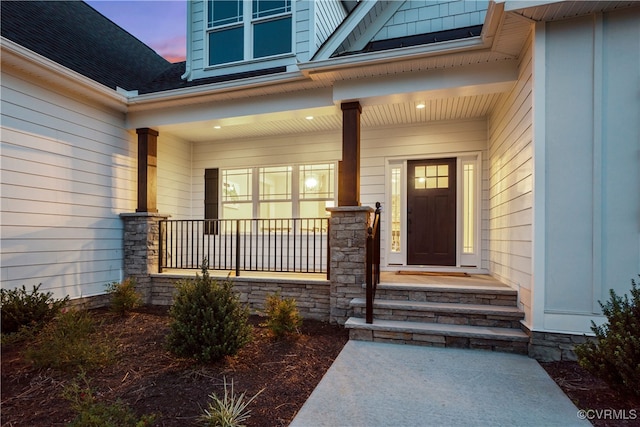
{"x": 379, "y": 128}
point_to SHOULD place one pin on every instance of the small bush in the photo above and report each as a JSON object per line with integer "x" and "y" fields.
{"x": 91, "y": 413}
{"x": 282, "y": 315}
{"x": 208, "y": 321}
{"x": 230, "y": 411}
{"x": 615, "y": 357}
{"x": 22, "y": 309}
{"x": 70, "y": 341}
{"x": 124, "y": 296}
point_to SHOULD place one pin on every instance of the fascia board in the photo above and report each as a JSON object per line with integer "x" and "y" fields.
{"x": 14, "y": 54}
{"x": 343, "y": 31}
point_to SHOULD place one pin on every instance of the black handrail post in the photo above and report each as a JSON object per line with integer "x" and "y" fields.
{"x": 369, "y": 278}
{"x": 161, "y": 246}
{"x": 237, "y": 248}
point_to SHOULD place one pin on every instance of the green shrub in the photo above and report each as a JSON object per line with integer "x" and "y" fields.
{"x": 91, "y": 413}
{"x": 615, "y": 357}
{"x": 22, "y": 309}
{"x": 124, "y": 296}
{"x": 208, "y": 321}
{"x": 282, "y": 315}
{"x": 230, "y": 411}
{"x": 70, "y": 341}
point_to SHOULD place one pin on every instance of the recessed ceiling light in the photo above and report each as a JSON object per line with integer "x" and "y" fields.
{"x": 217, "y": 127}
{"x": 420, "y": 106}
{"x": 309, "y": 117}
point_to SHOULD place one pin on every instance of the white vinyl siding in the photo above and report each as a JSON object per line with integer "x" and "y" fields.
{"x": 302, "y": 29}
{"x": 68, "y": 171}
{"x": 442, "y": 138}
{"x": 328, "y": 16}
{"x": 511, "y": 184}
{"x": 421, "y": 17}
{"x": 197, "y": 35}
{"x": 174, "y": 177}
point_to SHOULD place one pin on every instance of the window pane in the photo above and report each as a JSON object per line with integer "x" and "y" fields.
{"x": 316, "y": 181}
{"x": 226, "y": 46}
{"x": 237, "y": 210}
{"x": 272, "y": 37}
{"x": 468, "y": 190}
{"x": 224, "y": 12}
{"x": 236, "y": 185}
{"x": 275, "y": 183}
{"x": 275, "y": 210}
{"x": 270, "y": 7}
{"x": 395, "y": 209}
{"x": 316, "y": 209}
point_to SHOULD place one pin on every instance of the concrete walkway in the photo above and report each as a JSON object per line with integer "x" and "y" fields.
{"x": 375, "y": 384}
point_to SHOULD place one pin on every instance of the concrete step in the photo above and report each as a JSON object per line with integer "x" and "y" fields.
{"x": 464, "y": 294}
{"x": 447, "y": 313}
{"x": 439, "y": 335}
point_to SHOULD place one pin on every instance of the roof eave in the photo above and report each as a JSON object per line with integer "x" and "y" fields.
{"x": 404, "y": 53}
{"x": 15, "y": 55}
{"x": 208, "y": 92}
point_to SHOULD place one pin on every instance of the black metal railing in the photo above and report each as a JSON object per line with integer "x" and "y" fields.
{"x": 373, "y": 263}
{"x": 298, "y": 245}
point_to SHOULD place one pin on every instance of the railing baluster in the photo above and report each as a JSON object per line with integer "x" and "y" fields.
{"x": 246, "y": 244}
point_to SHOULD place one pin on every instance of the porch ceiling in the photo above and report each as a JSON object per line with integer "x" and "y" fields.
{"x": 330, "y": 119}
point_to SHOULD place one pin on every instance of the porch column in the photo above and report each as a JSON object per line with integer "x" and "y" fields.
{"x": 349, "y": 167}
{"x": 147, "y": 169}
{"x": 348, "y": 239}
{"x": 142, "y": 248}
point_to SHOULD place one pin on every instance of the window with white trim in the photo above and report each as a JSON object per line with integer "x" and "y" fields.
{"x": 240, "y": 30}
{"x": 300, "y": 191}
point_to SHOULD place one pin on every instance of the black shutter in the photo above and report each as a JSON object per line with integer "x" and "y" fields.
{"x": 211, "y": 200}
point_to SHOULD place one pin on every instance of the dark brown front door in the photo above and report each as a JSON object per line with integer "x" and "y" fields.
{"x": 431, "y": 212}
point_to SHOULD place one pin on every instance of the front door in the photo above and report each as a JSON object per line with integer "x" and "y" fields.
{"x": 431, "y": 212}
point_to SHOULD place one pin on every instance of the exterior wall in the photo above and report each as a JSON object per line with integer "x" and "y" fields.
{"x": 511, "y": 186}
{"x": 421, "y": 17}
{"x": 444, "y": 138}
{"x": 174, "y": 177}
{"x": 591, "y": 141}
{"x": 68, "y": 170}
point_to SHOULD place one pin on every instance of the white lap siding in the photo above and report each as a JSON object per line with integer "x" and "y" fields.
{"x": 68, "y": 171}
{"x": 511, "y": 185}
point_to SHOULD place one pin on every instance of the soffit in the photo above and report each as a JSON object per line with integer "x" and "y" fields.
{"x": 565, "y": 9}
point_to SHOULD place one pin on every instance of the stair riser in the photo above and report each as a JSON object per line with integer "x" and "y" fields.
{"x": 435, "y": 340}
{"x": 488, "y": 320}
{"x": 508, "y": 300}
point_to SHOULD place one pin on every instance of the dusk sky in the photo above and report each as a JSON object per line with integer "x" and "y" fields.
{"x": 160, "y": 24}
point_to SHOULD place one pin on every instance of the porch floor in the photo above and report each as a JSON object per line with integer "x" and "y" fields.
{"x": 386, "y": 277}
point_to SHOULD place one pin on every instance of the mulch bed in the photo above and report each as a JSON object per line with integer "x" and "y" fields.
{"x": 602, "y": 406}
{"x": 149, "y": 379}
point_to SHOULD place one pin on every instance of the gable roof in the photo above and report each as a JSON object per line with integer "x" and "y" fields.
{"x": 75, "y": 35}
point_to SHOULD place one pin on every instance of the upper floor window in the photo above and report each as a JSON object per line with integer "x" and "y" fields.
{"x": 240, "y": 30}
